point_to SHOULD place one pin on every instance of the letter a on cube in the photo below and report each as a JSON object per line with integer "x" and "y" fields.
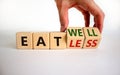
{"x": 75, "y": 37}
{"x": 41, "y": 40}
{"x": 24, "y": 40}
{"x": 92, "y": 37}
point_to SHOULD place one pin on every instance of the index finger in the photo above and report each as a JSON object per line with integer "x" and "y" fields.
{"x": 63, "y": 14}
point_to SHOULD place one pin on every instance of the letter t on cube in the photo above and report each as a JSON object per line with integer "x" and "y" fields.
{"x": 57, "y": 40}
{"x": 75, "y": 37}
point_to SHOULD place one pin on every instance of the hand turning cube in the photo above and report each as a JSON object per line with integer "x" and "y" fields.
{"x": 75, "y": 37}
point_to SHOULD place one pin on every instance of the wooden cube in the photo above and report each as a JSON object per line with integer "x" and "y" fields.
{"x": 92, "y": 37}
{"x": 75, "y": 37}
{"x": 57, "y": 40}
{"x": 24, "y": 40}
{"x": 41, "y": 40}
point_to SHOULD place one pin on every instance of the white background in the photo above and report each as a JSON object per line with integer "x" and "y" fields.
{"x": 42, "y": 16}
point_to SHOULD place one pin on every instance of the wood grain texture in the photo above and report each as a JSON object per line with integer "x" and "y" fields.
{"x": 57, "y": 40}
{"x": 92, "y": 37}
{"x": 24, "y": 40}
{"x": 75, "y": 37}
{"x": 41, "y": 40}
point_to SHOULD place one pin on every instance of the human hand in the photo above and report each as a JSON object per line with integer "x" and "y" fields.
{"x": 87, "y": 7}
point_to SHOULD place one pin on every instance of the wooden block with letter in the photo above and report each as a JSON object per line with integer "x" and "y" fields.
{"x": 57, "y": 40}
{"x": 75, "y": 37}
{"x": 24, "y": 40}
{"x": 92, "y": 37}
{"x": 41, "y": 40}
